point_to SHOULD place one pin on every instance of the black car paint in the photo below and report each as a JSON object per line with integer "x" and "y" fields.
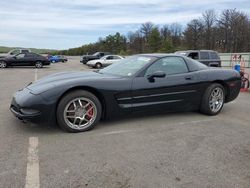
{"x": 29, "y": 59}
{"x": 124, "y": 95}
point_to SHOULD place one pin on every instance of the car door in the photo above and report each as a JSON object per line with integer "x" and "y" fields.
{"x": 109, "y": 60}
{"x": 18, "y": 60}
{"x": 29, "y": 59}
{"x": 175, "y": 90}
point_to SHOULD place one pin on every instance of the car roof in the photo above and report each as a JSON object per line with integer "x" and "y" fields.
{"x": 196, "y": 51}
{"x": 160, "y": 55}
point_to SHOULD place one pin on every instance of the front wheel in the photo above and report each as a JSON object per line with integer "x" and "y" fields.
{"x": 78, "y": 111}
{"x": 3, "y": 64}
{"x": 98, "y": 65}
{"x": 39, "y": 64}
{"x": 213, "y": 99}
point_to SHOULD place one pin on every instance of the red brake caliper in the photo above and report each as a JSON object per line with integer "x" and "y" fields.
{"x": 90, "y": 112}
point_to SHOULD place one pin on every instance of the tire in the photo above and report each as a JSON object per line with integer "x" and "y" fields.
{"x": 38, "y": 64}
{"x": 213, "y": 99}
{"x": 98, "y": 65}
{"x": 71, "y": 113}
{"x": 53, "y": 61}
{"x": 3, "y": 64}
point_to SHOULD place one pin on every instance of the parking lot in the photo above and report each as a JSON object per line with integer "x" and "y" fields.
{"x": 165, "y": 150}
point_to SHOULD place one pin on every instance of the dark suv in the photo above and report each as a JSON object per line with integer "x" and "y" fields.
{"x": 207, "y": 57}
{"x": 97, "y": 55}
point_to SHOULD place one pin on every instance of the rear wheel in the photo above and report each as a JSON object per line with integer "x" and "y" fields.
{"x": 98, "y": 65}
{"x": 213, "y": 99}
{"x": 39, "y": 64}
{"x": 3, "y": 64}
{"x": 78, "y": 111}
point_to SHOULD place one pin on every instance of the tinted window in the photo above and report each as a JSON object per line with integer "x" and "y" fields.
{"x": 116, "y": 57}
{"x": 204, "y": 55}
{"x": 20, "y": 56}
{"x": 14, "y": 52}
{"x": 25, "y": 51}
{"x": 213, "y": 55}
{"x": 169, "y": 65}
{"x": 194, "y": 55}
{"x": 109, "y": 57}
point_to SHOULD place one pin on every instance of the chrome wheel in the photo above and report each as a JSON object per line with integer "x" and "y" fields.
{"x": 216, "y": 99}
{"x": 3, "y": 64}
{"x": 80, "y": 113}
{"x": 39, "y": 65}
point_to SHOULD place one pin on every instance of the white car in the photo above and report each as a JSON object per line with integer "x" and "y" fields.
{"x": 104, "y": 61}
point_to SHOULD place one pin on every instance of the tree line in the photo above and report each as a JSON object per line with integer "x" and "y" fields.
{"x": 228, "y": 31}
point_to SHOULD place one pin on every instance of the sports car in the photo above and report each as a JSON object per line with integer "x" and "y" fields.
{"x": 76, "y": 101}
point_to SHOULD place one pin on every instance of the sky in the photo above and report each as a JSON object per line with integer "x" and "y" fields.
{"x": 63, "y": 24}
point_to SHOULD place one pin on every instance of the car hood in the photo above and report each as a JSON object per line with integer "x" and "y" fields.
{"x": 60, "y": 79}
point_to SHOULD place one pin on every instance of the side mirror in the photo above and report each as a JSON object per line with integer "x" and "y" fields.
{"x": 158, "y": 74}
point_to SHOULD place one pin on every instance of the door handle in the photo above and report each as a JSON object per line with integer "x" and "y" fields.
{"x": 188, "y": 77}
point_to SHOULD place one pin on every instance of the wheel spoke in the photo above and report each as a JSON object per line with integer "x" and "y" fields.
{"x": 79, "y": 113}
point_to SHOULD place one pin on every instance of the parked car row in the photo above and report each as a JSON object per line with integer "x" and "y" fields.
{"x": 24, "y": 59}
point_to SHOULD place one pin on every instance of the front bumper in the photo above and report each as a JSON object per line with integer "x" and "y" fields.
{"x": 22, "y": 116}
{"x": 29, "y": 107}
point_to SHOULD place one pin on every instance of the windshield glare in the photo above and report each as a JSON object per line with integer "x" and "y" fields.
{"x": 128, "y": 66}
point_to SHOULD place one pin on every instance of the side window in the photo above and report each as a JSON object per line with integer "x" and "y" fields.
{"x": 20, "y": 56}
{"x": 169, "y": 65}
{"x": 213, "y": 55}
{"x": 204, "y": 55}
{"x": 101, "y": 54}
{"x": 109, "y": 57}
{"x": 193, "y": 55}
{"x": 14, "y": 52}
{"x": 116, "y": 57}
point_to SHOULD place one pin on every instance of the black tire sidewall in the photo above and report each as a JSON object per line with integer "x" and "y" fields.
{"x": 204, "y": 108}
{"x": 69, "y": 97}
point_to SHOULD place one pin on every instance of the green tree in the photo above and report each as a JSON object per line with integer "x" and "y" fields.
{"x": 154, "y": 40}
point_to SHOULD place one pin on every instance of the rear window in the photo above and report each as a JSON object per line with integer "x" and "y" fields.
{"x": 204, "y": 55}
{"x": 194, "y": 65}
{"x": 214, "y": 55}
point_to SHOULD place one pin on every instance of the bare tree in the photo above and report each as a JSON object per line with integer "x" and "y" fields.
{"x": 209, "y": 20}
{"x": 193, "y": 34}
{"x": 146, "y": 29}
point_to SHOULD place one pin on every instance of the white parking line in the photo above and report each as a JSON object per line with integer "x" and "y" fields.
{"x": 117, "y": 132}
{"x": 36, "y": 74}
{"x": 32, "y": 173}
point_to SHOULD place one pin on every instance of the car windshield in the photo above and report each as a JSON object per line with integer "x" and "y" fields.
{"x": 128, "y": 66}
{"x": 96, "y": 54}
{"x": 104, "y": 57}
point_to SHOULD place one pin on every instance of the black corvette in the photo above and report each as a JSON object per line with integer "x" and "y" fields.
{"x": 151, "y": 82}
{"x": 24, "y": 59}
